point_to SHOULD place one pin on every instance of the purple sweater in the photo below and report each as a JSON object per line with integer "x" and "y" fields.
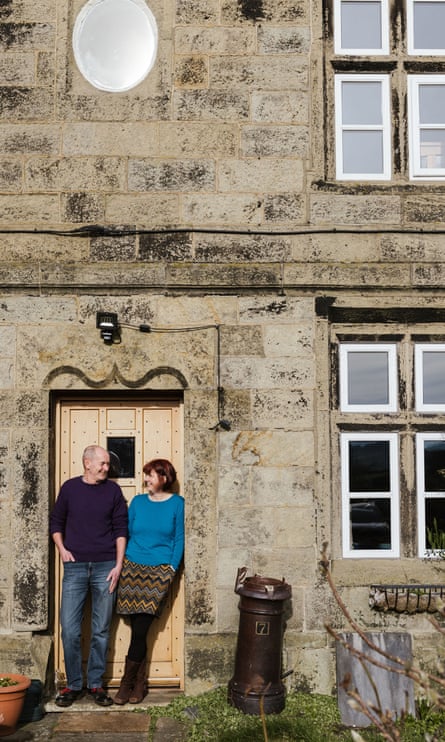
{"x": 90, "y": 517}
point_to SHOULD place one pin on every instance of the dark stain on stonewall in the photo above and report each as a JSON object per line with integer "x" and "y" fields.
{"x": 251, "y": 9}
{"x": 30, "y": 479}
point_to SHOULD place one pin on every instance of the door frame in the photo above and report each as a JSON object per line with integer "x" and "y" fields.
{"x": 150, "y": 397}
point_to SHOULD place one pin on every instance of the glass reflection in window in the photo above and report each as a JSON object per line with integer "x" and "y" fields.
{"x": 368, "y": 377}
{"x": 430, "y": 377}
{"x": 434, "y": 465}
{"x": 434, "y": 522}
{"x": 371, "y": 523}
{"x": 369, "y": 466}
{"x": 123, "y": 459}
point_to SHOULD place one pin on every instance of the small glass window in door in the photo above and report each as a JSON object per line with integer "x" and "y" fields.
{"x": 122, "y": 456}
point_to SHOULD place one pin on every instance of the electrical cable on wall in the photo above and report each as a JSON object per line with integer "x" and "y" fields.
{"x": 109, "y": 326}
{"x": 97, "y": 230}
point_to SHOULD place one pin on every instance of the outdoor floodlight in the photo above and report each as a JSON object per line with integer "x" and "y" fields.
{"x": 108, "y": 325}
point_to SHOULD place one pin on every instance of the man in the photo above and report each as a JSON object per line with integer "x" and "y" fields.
{"x": 89, "y": 527}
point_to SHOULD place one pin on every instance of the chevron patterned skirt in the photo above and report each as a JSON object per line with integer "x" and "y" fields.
{"x": 143, "y": 589}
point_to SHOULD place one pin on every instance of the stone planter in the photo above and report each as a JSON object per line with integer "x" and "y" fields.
{"x": 12, "y": 698}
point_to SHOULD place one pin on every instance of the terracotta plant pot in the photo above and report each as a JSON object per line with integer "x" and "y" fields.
{"x": 12, "y": 698}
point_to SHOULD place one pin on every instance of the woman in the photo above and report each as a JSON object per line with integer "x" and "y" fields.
{"x": 153, "y": 555}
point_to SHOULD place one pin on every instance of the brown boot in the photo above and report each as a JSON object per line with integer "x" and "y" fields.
{"x": 127, "y": 682}
{"x": 140, "y": 685}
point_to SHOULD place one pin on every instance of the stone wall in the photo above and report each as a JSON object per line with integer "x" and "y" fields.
{"x": 206, "y": 185}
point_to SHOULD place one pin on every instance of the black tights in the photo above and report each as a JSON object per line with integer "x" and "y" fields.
{"x": 140, "y": 624}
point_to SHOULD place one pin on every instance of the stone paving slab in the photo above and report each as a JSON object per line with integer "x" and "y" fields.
{"x": 155, "y": 697}
{"x": 170, "y": 730}
{"x": 84, "y": 721}
{"x": 107, "y": 721}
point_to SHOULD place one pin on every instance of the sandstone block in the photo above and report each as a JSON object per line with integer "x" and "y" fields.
{"x": 257, "y": 73}
{"x": 149, "y": 210}
{"x": 284, "y": 40}
{"x": 138, "y": 139}
{"x": 198, "y": 140}
{"x": 25, "y": 35}
{"x": 266, "y": 310}
{"x": 357, "y": 210}
{"x": 286, "y": 106}
{"x": 82, "y": 207}
{"x": 276, "y": 11}
{"x": 217, "y": 40}
{"x": 285, "y": 207}
{"x": 271, "y": 175}
{"x": 274, "y": 141}
{"x": 23, "y": 103}
{"x": 75, "y": 174}
{"x": 165, "y": 175}
{"x": 222, "y": 209}
{"x": 17, "y": 68}
{"x": 291, "y": 409}
{"x": 341, "y": 274}
{"x": 30, "y": 138}
{"x": 210, "y": 105}
{"x": 202, "y": 12}
{"x": 10, "y": 174}
{"x": 7, "y": 373}
{"x": 275, "y": 448}
{"x": 29, "y": 208}
{"x": 221, "y": 248}
{"x": 191, "y": 71}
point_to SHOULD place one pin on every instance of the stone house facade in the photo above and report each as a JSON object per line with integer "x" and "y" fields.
{"x": 225, "y": 192}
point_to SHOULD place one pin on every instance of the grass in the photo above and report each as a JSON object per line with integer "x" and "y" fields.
{"x": 306, "y": 718}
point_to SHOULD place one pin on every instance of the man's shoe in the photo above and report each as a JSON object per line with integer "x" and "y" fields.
{"x": 66, "y": 697}
{"x": 100, "y": 697}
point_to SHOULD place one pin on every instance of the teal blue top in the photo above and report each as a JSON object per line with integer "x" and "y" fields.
{"x": 156, "y": 531}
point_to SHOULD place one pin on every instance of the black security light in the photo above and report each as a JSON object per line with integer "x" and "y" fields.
{"x": 108, "y": 325}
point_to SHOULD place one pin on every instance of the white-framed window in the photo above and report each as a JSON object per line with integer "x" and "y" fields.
{"x": 368, "y": 377}
{"x": 365, "y": 130}
{"x": 370, "y": 494}
{"x": 430, "y": 448}
{"x": 425, "y": 27}
{"x": 361, "y": 27}
{"x": 430, "y": 377}
{"x": 426, "y": 119}
{"x": 363, "y": 127}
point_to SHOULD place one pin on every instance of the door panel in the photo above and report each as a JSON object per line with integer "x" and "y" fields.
{"x": 136, "y": 432}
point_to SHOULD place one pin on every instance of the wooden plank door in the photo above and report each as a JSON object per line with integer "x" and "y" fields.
{"x": 135, "y": 430}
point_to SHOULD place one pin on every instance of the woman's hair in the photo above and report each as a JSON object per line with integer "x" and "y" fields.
{"x": 163, "y": 468}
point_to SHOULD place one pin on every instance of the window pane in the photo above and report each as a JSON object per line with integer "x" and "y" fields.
{"x": 361, "y": 24}
{"x": 429, "y": 22}
{"x": 432, "y": 148}
{"x": 432, "y": 104}
{"x": 371, "y": 523}
{"x": 434, "y": 466}
{"x": 368, "y": 378}
{"x": 434, "y": 522}
{"x": 434, "y": 378}
{"x": 123, "y": 449}
{"x": 362, "y": 103}
{"x": 362, "y": 152}
{"x": 369, "y": 466}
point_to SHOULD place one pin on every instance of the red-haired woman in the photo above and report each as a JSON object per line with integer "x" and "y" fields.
{"x": 154, "y": 552}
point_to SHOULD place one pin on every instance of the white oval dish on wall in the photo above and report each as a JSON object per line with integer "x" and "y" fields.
{"x": 115, "y": 43}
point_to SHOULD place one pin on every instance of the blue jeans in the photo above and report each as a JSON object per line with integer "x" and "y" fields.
{"x": 78, "y": 579}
